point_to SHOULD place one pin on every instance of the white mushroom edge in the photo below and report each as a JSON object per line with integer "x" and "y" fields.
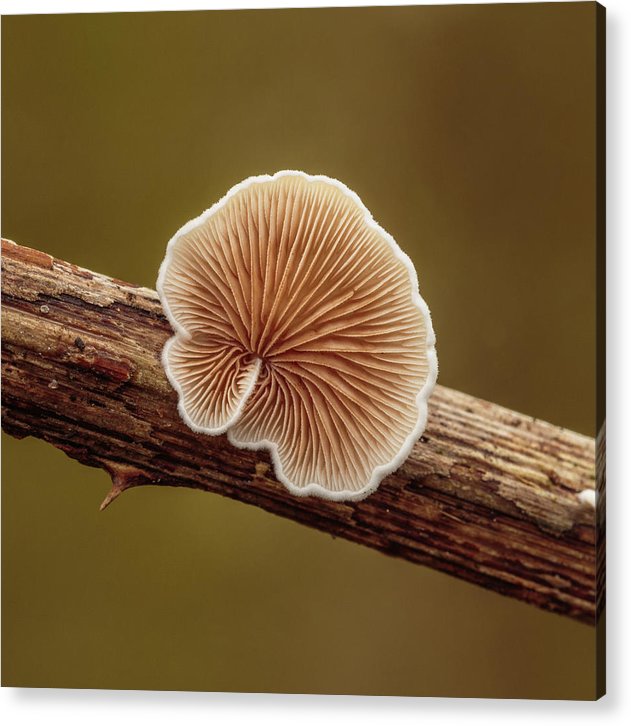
{"x": 313, "y": 489}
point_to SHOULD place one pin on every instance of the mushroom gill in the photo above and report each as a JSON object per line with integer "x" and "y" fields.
{"x": 299, "y": 328}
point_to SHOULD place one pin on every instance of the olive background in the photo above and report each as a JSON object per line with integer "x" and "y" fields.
{"x": 469, "y": 133}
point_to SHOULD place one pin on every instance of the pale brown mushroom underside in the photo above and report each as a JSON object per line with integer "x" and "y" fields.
{"x": 299, "y": 329}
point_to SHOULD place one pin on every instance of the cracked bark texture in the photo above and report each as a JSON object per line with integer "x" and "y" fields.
{"x": 488, "y": 495}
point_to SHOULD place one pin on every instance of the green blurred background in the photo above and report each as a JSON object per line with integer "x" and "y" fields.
{"x": 469, "y": 132}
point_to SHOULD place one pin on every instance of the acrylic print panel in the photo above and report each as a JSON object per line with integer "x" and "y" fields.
{"x": 472, "y": 134}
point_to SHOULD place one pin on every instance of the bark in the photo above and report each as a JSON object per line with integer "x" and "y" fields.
{"x": 488, "y": 495}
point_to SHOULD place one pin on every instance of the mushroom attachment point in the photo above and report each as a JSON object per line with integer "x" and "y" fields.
{"x": 299, "y": 328}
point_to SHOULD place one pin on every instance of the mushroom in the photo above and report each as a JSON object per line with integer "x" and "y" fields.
{"x": 299, "y": 328}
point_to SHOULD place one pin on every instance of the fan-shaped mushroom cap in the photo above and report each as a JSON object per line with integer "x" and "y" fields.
{"x": 299, "y": 328}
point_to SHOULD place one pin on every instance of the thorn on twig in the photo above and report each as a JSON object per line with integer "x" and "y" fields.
{"x": 114, "y": 492}
{"x": 123, "y": 478}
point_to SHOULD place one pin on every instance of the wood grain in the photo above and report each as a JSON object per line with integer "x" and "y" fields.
{"x": 488, "y": 495}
